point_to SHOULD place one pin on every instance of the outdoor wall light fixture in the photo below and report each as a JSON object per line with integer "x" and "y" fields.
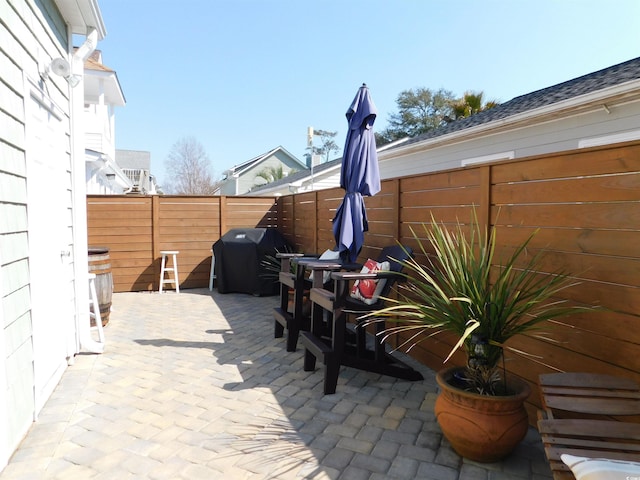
{"x": 61, "y": 67}
{"x": 111, "y": 177}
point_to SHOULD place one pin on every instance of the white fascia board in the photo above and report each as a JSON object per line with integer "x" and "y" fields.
{"x": 242, "y": 167}
{"x": 82, "y": 15}
{"x": 618, "y": 94}
{"x": 114, "y": 168}
{"x": 112, "y": 90}
{"x": 93, "y": 156}
{"x": 293, "y": 157}
{"x": 105, "y": 164}
{"x": 247, "y": 166}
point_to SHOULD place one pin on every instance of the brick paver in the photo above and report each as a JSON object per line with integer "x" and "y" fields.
{"x": 193, "y": 385}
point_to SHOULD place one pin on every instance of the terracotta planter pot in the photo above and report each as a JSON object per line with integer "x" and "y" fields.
{"x": 480, "y": 427}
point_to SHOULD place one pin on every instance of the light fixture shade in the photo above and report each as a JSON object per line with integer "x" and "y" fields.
{"x": 62, "y": 68}
{"x": 73, "y": 80}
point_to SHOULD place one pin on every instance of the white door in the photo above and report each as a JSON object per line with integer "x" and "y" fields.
{"x": 49, "y": 225}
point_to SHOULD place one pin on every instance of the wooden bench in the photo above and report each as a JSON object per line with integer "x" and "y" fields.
{"x": 579, "y": 417}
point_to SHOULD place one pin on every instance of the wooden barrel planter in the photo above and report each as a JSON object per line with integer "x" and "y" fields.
{"x": 100, "y": 264}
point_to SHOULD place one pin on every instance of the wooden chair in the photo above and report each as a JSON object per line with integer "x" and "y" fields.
{"x": 578, "y": 418}
{"x": 331, "y": 341}
{"x": 292, "y": 314}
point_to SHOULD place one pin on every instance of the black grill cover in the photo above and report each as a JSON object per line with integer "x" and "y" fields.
{"x": 239, "y": 254}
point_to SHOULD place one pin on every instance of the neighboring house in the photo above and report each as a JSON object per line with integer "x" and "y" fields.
{"x": 596, "y": 109}
{"x": 44, "y": 313}
{"x": 102, "y": 93}
{"x": 241, "y": 179}
{"x": 136, "y": 165}
{"x": 320, "y": 177}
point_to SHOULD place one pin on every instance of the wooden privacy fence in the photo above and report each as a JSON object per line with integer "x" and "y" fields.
{"x": 585, "y": 203}
{"x": 136, "y": 229}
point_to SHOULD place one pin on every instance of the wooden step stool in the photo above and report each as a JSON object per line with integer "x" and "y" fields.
{"x": 167, "y": 269}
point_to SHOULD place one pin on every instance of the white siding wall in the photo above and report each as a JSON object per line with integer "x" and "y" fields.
{"x": 29, "y": 39}
{"x": 321, "y": 182}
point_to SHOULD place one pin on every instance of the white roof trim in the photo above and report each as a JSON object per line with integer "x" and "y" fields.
{"x": 110, "y": 87}
{"x": 107, "y": 165}
{"x": 82, "y": 15}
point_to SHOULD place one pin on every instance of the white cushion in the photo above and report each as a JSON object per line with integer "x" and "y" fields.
{"x": 368, "y": 290}
{"x": 326, "y": 255}
{"x": 585, "y": 468}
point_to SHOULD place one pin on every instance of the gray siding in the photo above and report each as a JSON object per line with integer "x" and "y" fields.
{"x": 248, "y": 179}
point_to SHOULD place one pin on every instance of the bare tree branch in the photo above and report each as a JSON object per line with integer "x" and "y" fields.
{"x": 190, "y": 168}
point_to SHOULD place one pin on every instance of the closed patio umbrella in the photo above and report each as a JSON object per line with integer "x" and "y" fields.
{"x": 359, "y": 175}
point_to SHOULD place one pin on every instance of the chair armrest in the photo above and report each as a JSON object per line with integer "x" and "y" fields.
{"x": 288, "y": 258}
{"x": 316, "y": 264}
{"x": 289, "y": 255}
{"x": 348, "y": 276}
{"x": 318, "y": 269}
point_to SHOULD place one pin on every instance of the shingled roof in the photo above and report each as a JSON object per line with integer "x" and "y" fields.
{"x": 592, "y": 82}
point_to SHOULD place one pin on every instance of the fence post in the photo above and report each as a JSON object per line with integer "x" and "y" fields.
{"x": 484, "y": 209}
{"x": 292, "y": 220}
{"x": 315, "y": 221}
{"x": 155, "y": 237}
{"x": 278, "y": 213}
{"x": 223, "y": 214}
{"x": 395, "y": 205}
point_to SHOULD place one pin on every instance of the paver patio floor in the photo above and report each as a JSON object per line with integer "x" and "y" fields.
{"x": 193, "y": 385}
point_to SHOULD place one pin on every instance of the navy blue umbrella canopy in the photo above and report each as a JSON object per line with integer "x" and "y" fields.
{"x": 359, "y": 176}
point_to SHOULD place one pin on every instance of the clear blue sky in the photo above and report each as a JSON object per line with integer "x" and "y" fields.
{"x": 244, "y": 76}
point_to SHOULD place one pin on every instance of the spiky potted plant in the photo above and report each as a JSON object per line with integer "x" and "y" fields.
{"x": 463, "y": 289}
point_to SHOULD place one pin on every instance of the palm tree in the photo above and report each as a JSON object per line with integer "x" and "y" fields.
{"x": 271, "y": 174}
{"x": 469, "y": 104}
